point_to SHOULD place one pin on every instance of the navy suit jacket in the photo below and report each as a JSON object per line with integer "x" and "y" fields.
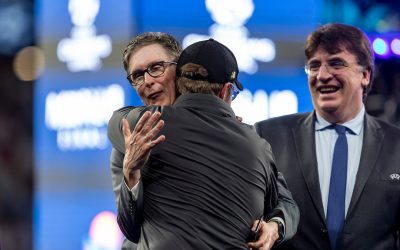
{"x": 373, "y": 217}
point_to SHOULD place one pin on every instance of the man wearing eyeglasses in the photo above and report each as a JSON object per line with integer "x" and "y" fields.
{"x": 150, "y": 60}
{"x": 341, "y": 164}
{"x": 213, "y": 176}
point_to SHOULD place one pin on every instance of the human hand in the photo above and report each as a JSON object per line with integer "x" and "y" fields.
{"x": 239, "y": 118}
{"x": 139, "y": 143}
{"x": 267, "y": 235}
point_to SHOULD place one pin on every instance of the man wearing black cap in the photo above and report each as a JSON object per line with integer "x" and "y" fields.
{"x": 212, "y": 176}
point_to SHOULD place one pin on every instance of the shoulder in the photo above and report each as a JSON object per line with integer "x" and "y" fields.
{"x": 131, "y": 113}
{"x": 114, "y": 128}
{"x": 118, "y": 114}
{"x": 379, "y": 124}
{"x": 282, "y": 121}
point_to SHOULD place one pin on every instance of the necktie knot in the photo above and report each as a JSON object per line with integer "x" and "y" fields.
{"x": 340, "y": 129}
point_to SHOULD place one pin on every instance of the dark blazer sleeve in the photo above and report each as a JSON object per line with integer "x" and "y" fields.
{"x": 129, "y": 210}
{"x": 129, "y": 216}
{"x": 116, "y": 161}
{"x": 286, "y": 208}
{"x": 115, "y": 134}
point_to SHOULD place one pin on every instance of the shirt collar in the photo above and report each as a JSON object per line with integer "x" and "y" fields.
{"x": 355, "y": 125}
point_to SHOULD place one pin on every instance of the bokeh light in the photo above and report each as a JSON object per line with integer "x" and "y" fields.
{"x": 395, "y": 46}
{"x": 104, "y": 232}
{"x": 380, "y": 46}
{"x": 29, "y": 63}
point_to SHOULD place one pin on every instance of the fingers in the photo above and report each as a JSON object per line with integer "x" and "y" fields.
{"x": 255, "y": 223}
{"x": 140, "y": 141}
{"x": 126, "y": 132}
{"x": 258, "y": 243}
{"x": 153, "y": 132}
{"x": 147, "y": 122}
{"x": 146, "y": 128}
{"x": 157, "y": 141}
{"x": 266, "y": 237}
{"x": 142, "y": 121}
{"x": 125, "y": 127}
{"x": 150, "y": 128}
{"x": 239, "y": 118}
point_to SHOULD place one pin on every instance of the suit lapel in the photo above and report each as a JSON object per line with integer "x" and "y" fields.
{"x": 372, "y": 144}
{"x": 304, "y": 138}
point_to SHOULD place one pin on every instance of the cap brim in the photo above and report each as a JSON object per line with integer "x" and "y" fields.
{"x": 239, "y": 85}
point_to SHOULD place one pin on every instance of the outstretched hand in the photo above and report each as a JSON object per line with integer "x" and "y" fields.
{"x": 267, "y": 235}
{"x": 139, "y": 143}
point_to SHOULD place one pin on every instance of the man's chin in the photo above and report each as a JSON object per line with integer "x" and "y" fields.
{"x": 160, "y": 102}
{"x": 329, "y": 105}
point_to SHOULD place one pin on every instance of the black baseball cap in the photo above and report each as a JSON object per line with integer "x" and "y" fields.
{"x": 215, "y": 57}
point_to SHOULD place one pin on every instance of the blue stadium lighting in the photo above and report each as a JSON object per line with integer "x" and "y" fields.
{"x": 380, "y": 46}
{"x": 395, "y": 46}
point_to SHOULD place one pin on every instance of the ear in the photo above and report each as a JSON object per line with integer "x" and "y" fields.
{"x": 366, "y": 78}
{"x": 225, "y": 93}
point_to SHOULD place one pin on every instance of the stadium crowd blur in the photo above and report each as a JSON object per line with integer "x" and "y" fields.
{"x": 16, "y": 110}
{"x": 16, "y": 128}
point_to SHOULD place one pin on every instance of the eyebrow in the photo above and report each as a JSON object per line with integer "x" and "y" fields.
{"x": 337, "y": 58}
{"x": 330, "y": 59}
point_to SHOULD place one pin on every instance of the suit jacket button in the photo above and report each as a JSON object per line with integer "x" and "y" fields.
{"x": 324, "y": 232}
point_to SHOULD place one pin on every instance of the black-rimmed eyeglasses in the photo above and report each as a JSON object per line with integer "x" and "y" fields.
{"x": 156, "y": 69}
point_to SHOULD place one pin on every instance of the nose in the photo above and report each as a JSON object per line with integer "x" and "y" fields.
{"x": 147, "y": 79}
{"x": 324, "y": 73}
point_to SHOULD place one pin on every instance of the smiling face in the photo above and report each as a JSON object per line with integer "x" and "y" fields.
{"x": 337, "y": 92}
{"x": 155, "y": 90}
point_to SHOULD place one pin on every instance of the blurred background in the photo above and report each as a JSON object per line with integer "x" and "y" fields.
{"x": 61, "y": 77}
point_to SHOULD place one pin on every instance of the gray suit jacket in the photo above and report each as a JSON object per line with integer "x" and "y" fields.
{"x": 373, "y": 218}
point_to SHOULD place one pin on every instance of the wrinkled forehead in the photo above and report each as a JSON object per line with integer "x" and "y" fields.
{"x": 154, "y": 49}
{"x": 145, "y": 55}
{"x": 331, "y": 48}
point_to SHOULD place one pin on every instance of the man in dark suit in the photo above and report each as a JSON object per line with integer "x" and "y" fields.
{"x": 149, "y": 60}
{"x": 212, "y": 177}
{"x": 346, "y": 183}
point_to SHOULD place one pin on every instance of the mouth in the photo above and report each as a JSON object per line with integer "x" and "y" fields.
{"x": 328, "y": 89}
{"x": 154, "y": 96}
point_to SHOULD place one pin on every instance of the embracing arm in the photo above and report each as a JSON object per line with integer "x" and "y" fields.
{"x": 287, "y": 208}
{"x": 134, "y": 145}
{"x": 284, "y": 213}
{"x": 129, "y": 214}
{"x": 128, "y": 220}
{"x": 130, "y": 152}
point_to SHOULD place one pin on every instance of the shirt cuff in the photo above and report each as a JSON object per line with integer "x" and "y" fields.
{"x": 135, "y": 190}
